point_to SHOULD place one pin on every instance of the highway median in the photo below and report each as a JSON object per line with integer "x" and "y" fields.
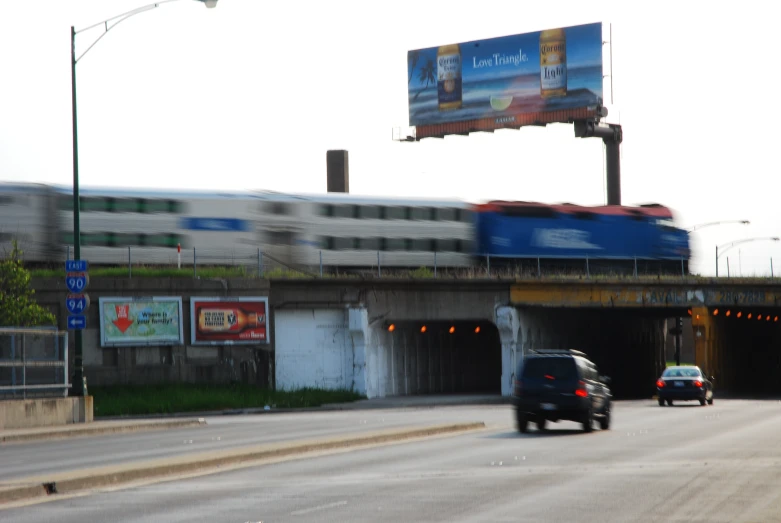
{"x": 50, "y": 486}
{"x": 95, "y": 428}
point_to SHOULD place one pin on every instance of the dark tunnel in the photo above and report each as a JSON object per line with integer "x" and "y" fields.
{"x": 444, "y": 357}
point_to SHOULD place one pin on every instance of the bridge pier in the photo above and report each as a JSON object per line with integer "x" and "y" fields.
{"x": 709, "y": 345}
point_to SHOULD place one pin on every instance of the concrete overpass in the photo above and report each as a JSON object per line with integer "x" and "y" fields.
{"x": 439, "y": 336}
{"x": 391, "y": 337}
{"x": 735, "y": 325}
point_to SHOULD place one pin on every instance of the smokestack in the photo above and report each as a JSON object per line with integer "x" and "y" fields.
{"x": 338, "y": 171}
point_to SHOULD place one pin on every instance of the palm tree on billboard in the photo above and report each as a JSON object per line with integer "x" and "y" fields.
{"x": 426, "y": 75}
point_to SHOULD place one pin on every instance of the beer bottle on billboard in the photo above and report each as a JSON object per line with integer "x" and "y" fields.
{"x": 449, "y": 77}
{"x": 553, "y": 63}
{"x": 227, "y": 320}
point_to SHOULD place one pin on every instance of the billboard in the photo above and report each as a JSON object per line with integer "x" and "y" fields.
{"x": 229, "y": 321}
{"x": 141, "y": 321}
{"x": 542, "y": 77}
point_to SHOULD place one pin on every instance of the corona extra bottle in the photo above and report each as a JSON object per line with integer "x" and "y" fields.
{"x": 449, "y": 77}
{"x": 227, "y": 320}
{"x": 553, "y": 63}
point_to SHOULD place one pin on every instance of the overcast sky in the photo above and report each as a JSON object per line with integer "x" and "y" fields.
{"x": 251, "y": 95}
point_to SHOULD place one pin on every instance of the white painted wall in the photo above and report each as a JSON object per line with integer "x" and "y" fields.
{"x": 315, "y": 348}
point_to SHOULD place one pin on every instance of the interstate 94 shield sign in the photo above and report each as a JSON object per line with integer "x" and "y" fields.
{"x": 229, "y": 321}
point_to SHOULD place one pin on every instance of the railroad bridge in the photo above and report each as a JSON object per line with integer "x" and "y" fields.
{"x": 387, "y": 337}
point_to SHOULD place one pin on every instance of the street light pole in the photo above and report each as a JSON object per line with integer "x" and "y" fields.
{"x": 738, "y": 242}
{"x": 79, "y": 385}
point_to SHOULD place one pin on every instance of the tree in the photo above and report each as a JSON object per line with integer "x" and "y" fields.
{"x": 17, "y": 306}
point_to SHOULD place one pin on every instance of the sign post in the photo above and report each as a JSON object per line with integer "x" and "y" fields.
{"x": 77, "y": 302}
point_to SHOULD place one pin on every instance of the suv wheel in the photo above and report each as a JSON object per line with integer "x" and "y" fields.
{"x": 523, "y": 423}
{"x": 541, "y": 423}
{"x": 604, "y": 422}
{"x": 588, "y": 422}
{"x": 661, "y": 403}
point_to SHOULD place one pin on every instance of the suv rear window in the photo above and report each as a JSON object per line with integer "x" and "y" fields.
{"x": 559, "y": 368}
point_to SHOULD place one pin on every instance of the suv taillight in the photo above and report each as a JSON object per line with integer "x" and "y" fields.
{"x": 660, "y": 383}
{"x": 581, "y": 390}
{"x": 697, "y": 383}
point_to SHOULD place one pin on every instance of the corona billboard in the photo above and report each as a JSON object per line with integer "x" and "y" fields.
{"x": 535, "y": 78}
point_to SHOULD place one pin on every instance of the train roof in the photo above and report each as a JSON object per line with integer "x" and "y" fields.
{"x": 652, "y": 210}
{"x": 328, "y": 198}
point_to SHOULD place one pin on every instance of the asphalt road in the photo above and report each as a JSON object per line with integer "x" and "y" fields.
{"x": 685, "y": 463}
{"x": 220, "y": 433}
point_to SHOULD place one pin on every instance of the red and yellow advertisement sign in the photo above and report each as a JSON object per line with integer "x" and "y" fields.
{"x": 218, "y": 321}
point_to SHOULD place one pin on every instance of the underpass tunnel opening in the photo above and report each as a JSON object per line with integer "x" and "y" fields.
{"x": 627, "y": 345}
{"x": 443, "y": 357}
{"x": 741, "y": 348}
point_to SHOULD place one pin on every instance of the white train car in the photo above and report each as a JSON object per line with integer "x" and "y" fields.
{"x": 154, "y": 223}
{"x": 27, "y": 214}
{"x": 297, "y": 230}
{"x": 361, "y": 231}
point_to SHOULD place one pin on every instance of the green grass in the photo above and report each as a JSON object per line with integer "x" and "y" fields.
{"x": 172, "y": 398}
{"x": 421, "y": 273}
{"x": 172, "y": 272}
{"x": 673, "y": 364}
{"x": 149, "y": 272}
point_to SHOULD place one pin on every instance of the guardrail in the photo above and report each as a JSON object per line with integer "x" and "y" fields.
{"x": 285, "y": 261}
{"x": 33, "y": 362}
{"x": 314, "y": 263}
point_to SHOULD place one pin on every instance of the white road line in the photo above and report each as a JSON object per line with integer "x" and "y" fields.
{"x": 315, "y": 509}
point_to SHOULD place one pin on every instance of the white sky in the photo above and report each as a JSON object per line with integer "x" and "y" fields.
{"x": 251, "y": 95}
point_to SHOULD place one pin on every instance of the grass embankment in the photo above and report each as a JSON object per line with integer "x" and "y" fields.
{"x": 204, "y": 272}
{"x": 222, "y": 272}
{"x": 172, "y": 398}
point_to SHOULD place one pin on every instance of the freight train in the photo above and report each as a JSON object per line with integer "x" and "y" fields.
{"x": 334, "y": 229}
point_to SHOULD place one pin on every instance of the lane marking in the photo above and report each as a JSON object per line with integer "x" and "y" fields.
{"x": 315, "y": 509}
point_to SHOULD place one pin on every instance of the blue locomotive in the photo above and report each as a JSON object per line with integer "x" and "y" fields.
{"x": 567, "y": 235}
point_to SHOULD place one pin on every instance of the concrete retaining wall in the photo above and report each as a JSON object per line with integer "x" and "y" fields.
{"x": 161, "y": 364}
{"x": 44, "y": 412}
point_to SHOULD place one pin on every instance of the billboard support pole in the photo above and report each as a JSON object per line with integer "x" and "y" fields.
{"x": 612, "y": 136}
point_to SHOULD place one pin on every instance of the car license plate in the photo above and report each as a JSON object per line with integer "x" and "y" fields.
{"x": 679, "y": 384}
{"x": 548, "y": 406}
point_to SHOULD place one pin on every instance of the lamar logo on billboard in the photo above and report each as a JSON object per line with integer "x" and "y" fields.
{"x": 123, "y": 321}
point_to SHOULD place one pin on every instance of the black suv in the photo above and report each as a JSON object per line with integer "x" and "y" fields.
{"x": 560, "y": 385}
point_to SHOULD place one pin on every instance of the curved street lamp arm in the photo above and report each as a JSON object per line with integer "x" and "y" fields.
{"x": 722, "y": 249}
{"x": 702, "y": 225}
{"x": 116, "y": 19}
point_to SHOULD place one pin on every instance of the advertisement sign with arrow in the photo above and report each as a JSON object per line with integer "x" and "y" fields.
{"x": 141, "y": 321}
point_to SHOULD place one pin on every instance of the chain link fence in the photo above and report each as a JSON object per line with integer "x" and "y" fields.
{"x": 33, "y": 363}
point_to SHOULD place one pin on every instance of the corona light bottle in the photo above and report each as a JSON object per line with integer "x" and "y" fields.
{"x": 227, "y": 320}
{"x": 553, "y": 63}
{"x": 449, "y": 77}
